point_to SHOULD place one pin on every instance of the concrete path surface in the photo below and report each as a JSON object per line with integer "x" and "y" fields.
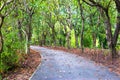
{"x": 59, "y": 65}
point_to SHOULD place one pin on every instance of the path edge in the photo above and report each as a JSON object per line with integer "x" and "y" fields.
{"x": 36, "y": 68}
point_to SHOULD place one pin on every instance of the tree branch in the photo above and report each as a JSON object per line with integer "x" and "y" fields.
{"x": 10, "y": 10}
{"x": 93, "y": 3}
{"x": 4, "y": 4}
{"x": 1, "y": 8}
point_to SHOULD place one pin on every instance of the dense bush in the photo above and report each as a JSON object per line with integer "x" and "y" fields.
{"x": 87, "y": 41}
{"x": 12, "y": 53}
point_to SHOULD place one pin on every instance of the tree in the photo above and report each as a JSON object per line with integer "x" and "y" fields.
{"x": 67, "y": 20}
{"x": 83, "y": 23}
{"x": 28, "y": 8}
{"x": 117, "y": 30}
{"x": 104, "y": 11}
{"x": 4, "y": 13}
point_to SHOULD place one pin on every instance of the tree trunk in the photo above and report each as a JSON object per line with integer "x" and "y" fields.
{"x": 76, "y": 39}
{"x": 93, "y": 32}
{"x": 64, "y": 39}
{"x": 40, "y": 41}
{"x": 51, "y": 25}
{"x": 68, "y": 37}
{"x": 113, "y": 51}
{"x": 112, "y": 40}
{"x": 19, "y": 30}
{"x": 1, "y": 42}
{"x": 53, "y": 36}
{"x": 81, "y": 39}
{"x": 28, "y": 47}
{"x": 117, "y": 30}
{"x": 60, "y": 42}
{"x": 26, "y": 40}
{"x": 1, "y": 38}
{"x": 44, "y": 38}
{"x": 65, "y": 34}
{"x": 94, "y": 39}
{"x": 29, "y": 33}
{"x": 82, "y": 30}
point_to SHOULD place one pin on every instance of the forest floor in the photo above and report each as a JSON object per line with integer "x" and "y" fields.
{"x": 101, "y": 57}
{"x": 26, "y": 69}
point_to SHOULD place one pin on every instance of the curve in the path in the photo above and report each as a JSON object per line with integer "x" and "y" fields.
{"x": 59, "y": 65}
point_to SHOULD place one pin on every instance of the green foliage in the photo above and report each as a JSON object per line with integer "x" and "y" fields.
{"x": 52, "y": 16}
{"x": 118, "y": 45}
{"x": 72, "y": 39}
{"x": 0, "y": 77}
{"x": 13, "y": 49}
{"x": 8, "y": 60}
{"x": 87, "y": 41}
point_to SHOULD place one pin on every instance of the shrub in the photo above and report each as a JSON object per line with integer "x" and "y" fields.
{"x": 87, "y": 41}
{"x": 12, "y": 53}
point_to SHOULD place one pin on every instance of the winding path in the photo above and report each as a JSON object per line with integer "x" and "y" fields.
{"x": 59, "y": 65}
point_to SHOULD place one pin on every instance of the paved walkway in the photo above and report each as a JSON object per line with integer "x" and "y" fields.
{"x": 59, "y": 65}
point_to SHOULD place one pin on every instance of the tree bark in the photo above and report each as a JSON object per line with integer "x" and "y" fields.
{"x": 82, "y": 30}
{"x": 1, "y": 42}
{"x": 82, "y": 33}
{"x": 29, "y": 32}
{"x": 44, "y": 38}
{"x": 65, "y": 34}
{"x": 1, "y": 37}
{"x": 29, "y": 39}
{"x": 68, "y": 37}
{"x": 112, "y": 40}
{"x": 19, "y": 30}
{"x": 51, "y": 25}
{"x": 76, "y": 39}
{"x": 53, "y": 36}
{"x": 93, "y": 32}
{"x": 94, "y": 39}
{"x": 69, "y": 23}
{"x": 117, "y": 30}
